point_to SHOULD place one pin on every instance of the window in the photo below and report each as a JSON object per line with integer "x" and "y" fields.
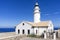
{"x": 18, "y": 31}
{"x": 28, "y": 31}
{"x": 23, "y": 23}
{"x": 36, "y": 31}
{"x": 23, "y": 31}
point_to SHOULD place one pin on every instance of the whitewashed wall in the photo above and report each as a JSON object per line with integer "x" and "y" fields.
{"x": 39, "y": 30}
{"x": 26, "y": 26}
{"x": 35, "y": 31}
{"x": 50, "y": 26}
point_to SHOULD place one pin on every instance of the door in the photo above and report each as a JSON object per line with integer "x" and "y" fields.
{"x": 23, "y": 31}
{"x": 18, "y": 31}
{"x": 28, "y": 31}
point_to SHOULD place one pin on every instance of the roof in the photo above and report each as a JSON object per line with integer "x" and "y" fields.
{"x": 39, "y": 24}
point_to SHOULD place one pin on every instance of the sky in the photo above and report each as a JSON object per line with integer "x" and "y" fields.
{"x": 13, "y": 12}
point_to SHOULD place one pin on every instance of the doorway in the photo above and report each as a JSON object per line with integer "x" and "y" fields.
{"x": 28, "y": 31}
{"x": 23, "y": 31}
{"x": 36, "y": 31}
{"x": 18, "y": 31}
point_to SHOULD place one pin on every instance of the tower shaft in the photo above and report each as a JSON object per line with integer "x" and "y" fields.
{"x": 36, "y": 13}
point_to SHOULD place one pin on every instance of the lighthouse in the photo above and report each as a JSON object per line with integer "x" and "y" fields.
{"x": 36, "y": 13}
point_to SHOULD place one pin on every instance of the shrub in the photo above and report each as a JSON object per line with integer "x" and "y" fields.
{"x": 31, "y": 35}
{"x": 37, "y": 36}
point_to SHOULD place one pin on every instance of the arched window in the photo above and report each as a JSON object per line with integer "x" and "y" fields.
{"x": 28, "y": 31}
{"x": 23, "y": 31}
{"x": 18, "y": 31}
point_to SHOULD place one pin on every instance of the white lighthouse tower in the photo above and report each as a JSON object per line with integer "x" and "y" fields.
{"x": 36, "y": 13}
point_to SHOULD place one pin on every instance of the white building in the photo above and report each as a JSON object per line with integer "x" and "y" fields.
{"x": 37, "y": 27}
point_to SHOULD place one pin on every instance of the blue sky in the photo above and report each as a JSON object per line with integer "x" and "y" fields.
{"x": 12, "y": 12}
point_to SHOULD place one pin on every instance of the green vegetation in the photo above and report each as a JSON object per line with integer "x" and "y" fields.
{"x": 37, "y": 36}
{"x": 31, "y": 35}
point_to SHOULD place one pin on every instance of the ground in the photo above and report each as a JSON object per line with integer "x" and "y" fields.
{"x": 13, "y": 36}
{"x": 28, "y": 38}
